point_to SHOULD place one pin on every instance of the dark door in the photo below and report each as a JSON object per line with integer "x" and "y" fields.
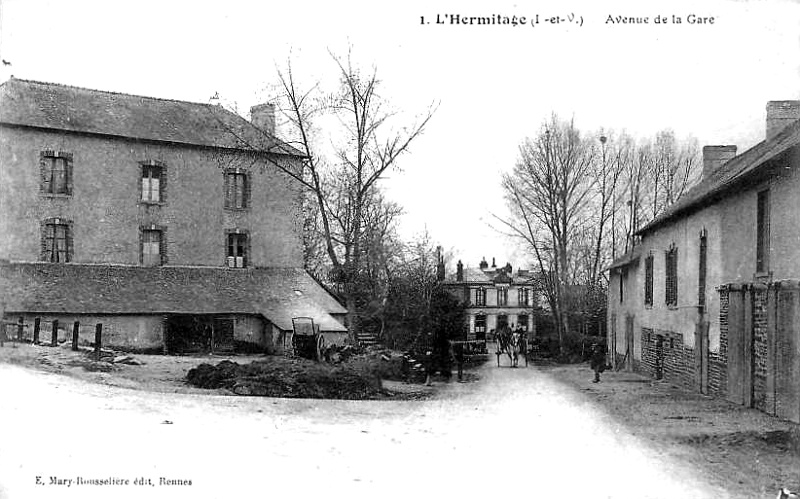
{"x": 222, "y": 335}
{"x": 629, "y": 342}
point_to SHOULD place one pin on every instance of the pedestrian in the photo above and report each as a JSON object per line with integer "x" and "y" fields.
{"x": 428, "y": 363}
{"x": 458, "y": 353}
{"x": 598, "y": 361}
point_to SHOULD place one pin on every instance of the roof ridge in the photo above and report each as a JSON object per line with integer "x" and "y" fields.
{"x": 110, "y": 92}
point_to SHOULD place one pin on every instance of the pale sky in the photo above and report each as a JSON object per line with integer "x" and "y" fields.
{"x": 495, "y": 85}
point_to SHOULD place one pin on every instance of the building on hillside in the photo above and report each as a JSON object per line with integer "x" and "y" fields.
{"x": 174, "y": 224}
{"x": 493, "y": 296}
{"x": 709, "y": 299}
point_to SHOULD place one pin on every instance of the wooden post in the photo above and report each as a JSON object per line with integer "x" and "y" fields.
{"x": 37, "y": 322}
{"x": 98, "y": 334}
{"x": 75, "y": 330}
{"x": 20, "y": 328}
{"x": 54, "y": 334}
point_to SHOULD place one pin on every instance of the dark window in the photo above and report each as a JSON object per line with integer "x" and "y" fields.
{"x": 522, "y": 321}
{"x": 152, "y": 183}
{"x": 480, "y": 323}
{"x": 152, "y": 247}
{"x": 236, "y": 190}
{"x": 623, "y": 274}
{"x": 56, "y": 170}
{"x": 237, "y": 251}
{"x": 762, "y": 232}
{"x": 648, "y": 280}
{"x": 502, "y": 297}
{"x": 480, "y": 297}
{"x": 56, "y": 242}
{"x": 671, "y": 281}
{"x": 701, "y": 271}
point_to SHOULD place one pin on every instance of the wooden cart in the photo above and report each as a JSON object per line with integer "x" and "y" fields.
{"x": 307, "y": 341}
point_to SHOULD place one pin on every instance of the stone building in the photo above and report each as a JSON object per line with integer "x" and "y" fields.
{"x": 174, "y": 224}
{"x": 493, "y": 296}
{"x": 709, "y": 299}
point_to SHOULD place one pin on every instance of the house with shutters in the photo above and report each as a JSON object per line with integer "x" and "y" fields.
{"x": 493, "y": 296}
{"x": 709, "y": 297}
{"x": 172, "y": 223}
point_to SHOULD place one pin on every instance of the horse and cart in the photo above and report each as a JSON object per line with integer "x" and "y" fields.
{"x": 512, "y": 344}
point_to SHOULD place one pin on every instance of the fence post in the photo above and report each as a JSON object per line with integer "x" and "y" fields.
{"x": 20, "y": 326}
{"x": 54, "y": 334}
{"x": 37, "y": 322}
{"x": 75, "y": 330}
{"x": 98, "y": 333}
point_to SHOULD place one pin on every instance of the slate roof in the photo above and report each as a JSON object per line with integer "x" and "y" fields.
{"x": 626, "y": 259}
{"x": 729, "y": 175}
{"x": 278, "y": 294}
{"x": 74, "y": 109}
{"x": 477, "y": 276}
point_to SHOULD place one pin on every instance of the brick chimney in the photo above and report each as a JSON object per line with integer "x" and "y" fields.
{"x": 716, "y": 156}
{"x": 263, "y": 117}
{"x": 781, "y": 113}
{"x": 439, "y": 264}
{"x": 459, "y": 271}
{"x": 483, "y": 265}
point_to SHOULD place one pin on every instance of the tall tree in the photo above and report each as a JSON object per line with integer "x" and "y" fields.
{"x": 344, "y": 180}
{"x": 546, "y": 193}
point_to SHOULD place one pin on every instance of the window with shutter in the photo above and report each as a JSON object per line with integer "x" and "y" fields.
{"x": 152, "y": 246}
{"x": 502, "y": 297}
{"x": 56, "y": 172}
{"x": 236, "y": 256}
{"x": 648, "y": 280}
{"x": 671, "y": 281}
{"x": 236, "y": 190}
{"x": 152, "y": 183}
{"x": 480, "y": 323}
{"x": 762, "y": 232}
{"x": 57, "y": 242}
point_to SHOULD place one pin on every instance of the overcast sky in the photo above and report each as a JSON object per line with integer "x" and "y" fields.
{"x": 495, "y": 85}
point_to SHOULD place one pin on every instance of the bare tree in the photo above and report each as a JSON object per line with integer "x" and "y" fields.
{"x": 547, "y": 194}
{"x": 344, "y": 182}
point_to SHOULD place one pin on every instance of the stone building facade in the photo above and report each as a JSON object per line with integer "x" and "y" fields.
{"x": 709, "y": 299}
{"x": 173, "y": 223}
{"x": 493, "y": 296}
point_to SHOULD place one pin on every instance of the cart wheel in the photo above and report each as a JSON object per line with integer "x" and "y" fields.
{"x": 320, "y": 346}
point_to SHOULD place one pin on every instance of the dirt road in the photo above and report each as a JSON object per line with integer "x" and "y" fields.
{"x": 515, "y": 433}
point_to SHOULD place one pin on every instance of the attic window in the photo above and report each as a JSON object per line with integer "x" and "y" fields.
{"x": 298, "y": 292}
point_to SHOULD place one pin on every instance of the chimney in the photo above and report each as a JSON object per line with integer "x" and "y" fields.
{"x": 781, "y": 113}
{"x": 263, "y": 116}
{"x": 494, "y": 265}
{"x": 439, "y": 264}
{"x": 483, "y": 264}
{"x": 716, "y": 156}
{"x": 508, "y": 268}
{"x": 459, "y": 271}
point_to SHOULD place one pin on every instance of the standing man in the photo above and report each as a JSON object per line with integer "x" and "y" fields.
{"x": 458, "y": 353}
{"x": 598, "y": 361}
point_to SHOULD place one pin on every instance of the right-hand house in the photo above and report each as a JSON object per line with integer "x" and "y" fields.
{"x": 709, "y": 299}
